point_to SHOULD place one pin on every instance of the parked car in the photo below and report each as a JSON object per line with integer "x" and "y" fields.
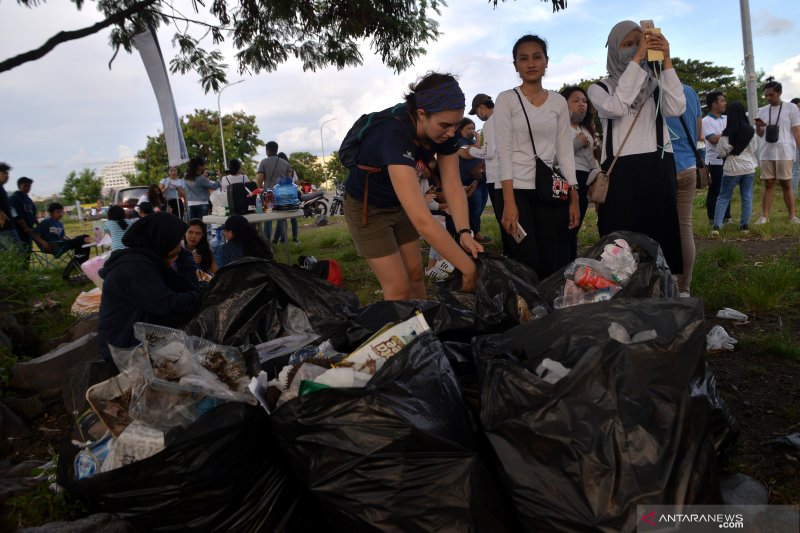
{"x": 128, "y": 197}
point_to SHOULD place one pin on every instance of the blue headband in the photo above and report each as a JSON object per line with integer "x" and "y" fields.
{"x": 445, "y": 97}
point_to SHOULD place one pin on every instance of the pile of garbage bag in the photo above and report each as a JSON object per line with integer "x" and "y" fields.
{"x": 285, "y": 407}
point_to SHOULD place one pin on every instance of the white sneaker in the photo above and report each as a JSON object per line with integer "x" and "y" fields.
{"x": 684, "y": 294}
{"x": 435, "y": 273}
{"x": 761, "y": 221}
{"x": 445, "y": 266}
{"x": 795, "y": 220}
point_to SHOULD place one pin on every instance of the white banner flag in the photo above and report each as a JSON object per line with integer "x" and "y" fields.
{"x": 147, "y": 44}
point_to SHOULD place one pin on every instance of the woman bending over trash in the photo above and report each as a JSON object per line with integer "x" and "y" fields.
{"x": 385, "y": 210}
{"x": 141, "y": 285}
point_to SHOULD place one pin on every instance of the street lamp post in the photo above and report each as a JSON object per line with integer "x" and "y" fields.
{"x": 322, "y": 144}
{"x": 219, "y": 113}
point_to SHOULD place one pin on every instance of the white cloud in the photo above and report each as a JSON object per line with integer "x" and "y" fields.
{"x": 788, "y": 74}
{"x": 768, "y": 24}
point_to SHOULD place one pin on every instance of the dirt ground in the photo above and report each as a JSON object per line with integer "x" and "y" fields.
{"x": 761, "y": 390}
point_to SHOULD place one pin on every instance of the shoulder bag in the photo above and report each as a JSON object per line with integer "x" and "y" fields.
{"x": 772, "y": 131}
{"x": 701, "y": 170}
{"x": 551, "y": 186}
{"x": 598, "y": 189}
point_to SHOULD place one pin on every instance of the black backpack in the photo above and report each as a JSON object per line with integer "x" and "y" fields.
{"x": 351, "y": 145}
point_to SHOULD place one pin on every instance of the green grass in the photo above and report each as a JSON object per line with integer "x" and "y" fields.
{"x": 780, "y": 343}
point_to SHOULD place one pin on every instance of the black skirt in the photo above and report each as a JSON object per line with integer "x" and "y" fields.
{"x": 642, "y": 197}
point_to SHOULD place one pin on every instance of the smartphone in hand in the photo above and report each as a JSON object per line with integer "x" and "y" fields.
{"x": 652, "y": 55}
{"x": 520, "y": 234}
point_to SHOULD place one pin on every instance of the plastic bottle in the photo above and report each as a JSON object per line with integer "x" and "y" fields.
{"x": 588, "y": 278}
{"x": 270, "y": 200}
{"x": 259, "y": 205}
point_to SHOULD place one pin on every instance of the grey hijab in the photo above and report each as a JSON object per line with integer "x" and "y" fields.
{"x": 616, "y": 66}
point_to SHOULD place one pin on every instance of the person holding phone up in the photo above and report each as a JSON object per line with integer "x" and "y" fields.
{"x": 778, "y": 125}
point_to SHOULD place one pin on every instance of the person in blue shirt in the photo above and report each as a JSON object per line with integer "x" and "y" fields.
{"x": 241, "y": 240}
{"x": 49, "y": 236}
{"x": 685, "y": 131}
{"x": 23, "y": 212}
{"x": 116, "y": 226}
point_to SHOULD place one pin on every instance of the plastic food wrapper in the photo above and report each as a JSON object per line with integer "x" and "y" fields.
{"x": 551, "y": 371}
{"x": 732, "y": 314}
{"x": 111, "y": 400}
{"x": 619, "y": 258}
{"x": 90, "y": 459}
{"x": 370, "y": 356}
{"x": 718, "y": 339}
{"x": 87, "y": 302}
{"x": 620, "y": 334}
{"x": 283, "y": 346}
{"x": 137, "y": 442}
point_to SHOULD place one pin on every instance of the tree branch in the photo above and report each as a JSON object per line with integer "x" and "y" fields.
{"x": 65, "y": 36}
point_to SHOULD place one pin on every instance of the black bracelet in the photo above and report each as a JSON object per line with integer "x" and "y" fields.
{"x": 465, "y": 230}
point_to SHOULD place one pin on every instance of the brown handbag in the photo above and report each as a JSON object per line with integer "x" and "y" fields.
{"x": 598, "y": 189}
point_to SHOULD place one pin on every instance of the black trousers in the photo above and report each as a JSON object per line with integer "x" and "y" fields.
{"x": 496, "y": 194}
{"x": 583, "y": 204}
{"x": 713, "y": 193}
{"x": 546, "y": 247}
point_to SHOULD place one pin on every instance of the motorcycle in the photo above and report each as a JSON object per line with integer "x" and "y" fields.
{"x": 337, "y": 204}
{"x": 313, "y": 204}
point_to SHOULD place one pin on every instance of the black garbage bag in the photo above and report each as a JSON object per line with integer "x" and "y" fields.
{"x": 621, "y": 429}
{"x": 396, "y": 455}
{"x": 447, "y": 322}
{"x": 724, "y": 427}
{"x": 652, "y": 278}
{"x": 222, "y": 473}
{"x": 247, "y": 302}
{"x": 507, "y": 292}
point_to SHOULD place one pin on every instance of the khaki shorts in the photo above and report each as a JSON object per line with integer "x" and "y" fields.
{"x": 386, "y": 230}
{"x": 781, "y": 170}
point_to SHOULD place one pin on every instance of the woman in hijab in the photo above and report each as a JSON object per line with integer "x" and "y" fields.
{"x": 140, "y": 284}
{"x": 241, "y": 240}
{"x": 738, "y": 145}
{"x": 635, "y": 98}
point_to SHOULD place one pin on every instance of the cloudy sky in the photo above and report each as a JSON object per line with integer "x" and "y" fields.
{"x": 68, "y": 111}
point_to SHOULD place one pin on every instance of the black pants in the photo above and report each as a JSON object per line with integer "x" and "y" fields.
{"x": 178, "y": 208}
{"x": 713, "y": 193}
{"x": 546, "y": 247}
{"x": 496, "y": 194}
{"x": 583, "y": 204}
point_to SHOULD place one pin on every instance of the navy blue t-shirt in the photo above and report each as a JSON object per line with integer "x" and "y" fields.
{"x": 390, "y": 143}
{"x": 465, "y": 166}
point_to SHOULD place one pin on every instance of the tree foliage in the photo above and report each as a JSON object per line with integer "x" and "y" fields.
{"x": 307, "y": 166}
{"x": 201, "y": 132}
{"x": 84, "y": 187}
{"x": 265, "y": 34}
{"x": 334, "y": 169}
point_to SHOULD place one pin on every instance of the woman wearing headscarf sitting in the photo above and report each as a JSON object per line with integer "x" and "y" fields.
{"x": 241, "y": 240}
{"x": 642, "y": 194}
{"x": 141, "y": 285}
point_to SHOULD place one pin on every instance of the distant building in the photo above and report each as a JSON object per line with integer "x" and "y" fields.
{"x": 113, "y": 175}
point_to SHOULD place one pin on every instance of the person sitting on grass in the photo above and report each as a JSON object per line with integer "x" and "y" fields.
{"x": 241, "y": 240}
{"x": 140, "y": 283}
{"x": 51, "y": 239}
{"x": 196, "y": 242}
{"x": 116, "y": 226}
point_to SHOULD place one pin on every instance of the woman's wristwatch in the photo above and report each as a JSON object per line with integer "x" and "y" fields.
{"x": 463, "y": 231}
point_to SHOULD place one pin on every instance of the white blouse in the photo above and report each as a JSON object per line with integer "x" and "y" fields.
{"x": 617, "y": 105}
{"x": 552, "y": 133}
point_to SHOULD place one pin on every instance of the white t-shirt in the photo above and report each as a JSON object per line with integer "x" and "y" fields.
{"x": 617, "y": 106}
{"x": 713, "y": 126}
{"x": 552, "y": 134}
{"x": 230, "y": 178}
{"x": 784, "y": 149}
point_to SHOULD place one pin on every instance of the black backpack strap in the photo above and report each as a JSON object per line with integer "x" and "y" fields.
{"x": 692, "y": 143}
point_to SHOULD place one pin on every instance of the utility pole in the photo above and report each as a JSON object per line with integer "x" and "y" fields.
{"x": 749, "y": 61}
{"x": 222, "y": 135}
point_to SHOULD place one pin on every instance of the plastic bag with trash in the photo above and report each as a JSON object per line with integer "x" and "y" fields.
{"x": 507, "y": 293}
{"x": 247, "y": 302}
{"x": 621, "y": 429}
{"x": 222, "y": 473}
{"x": 406, "y": 434}
{"x": 651, "y": 278}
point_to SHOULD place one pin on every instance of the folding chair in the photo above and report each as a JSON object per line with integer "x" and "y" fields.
{"x": 65, "y": 262}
